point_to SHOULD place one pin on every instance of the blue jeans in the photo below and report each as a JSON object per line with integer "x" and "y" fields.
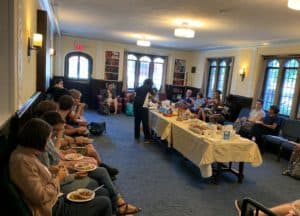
{"x": 99, "y": 206}
{"x": 102, "y": 177}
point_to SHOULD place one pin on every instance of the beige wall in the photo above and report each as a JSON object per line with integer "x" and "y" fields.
{"x": 25, "y": 21}
{"x": 250, "y": 58}
{"x": 5, "y": 56}
{"x": 97, "y": 48}
{"x": 17, "y": 70}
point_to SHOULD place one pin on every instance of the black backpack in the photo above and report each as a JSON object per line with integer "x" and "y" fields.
{"x": 96, "y": 128}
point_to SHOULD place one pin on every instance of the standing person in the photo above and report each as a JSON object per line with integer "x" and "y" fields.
{"x": 142, "y": 95}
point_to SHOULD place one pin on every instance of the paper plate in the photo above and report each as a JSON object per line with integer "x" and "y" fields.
{"x": 73, "y": 156}
{"x": 72, "y": 196}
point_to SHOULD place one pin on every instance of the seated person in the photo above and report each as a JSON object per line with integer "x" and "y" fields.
{"x": 45, "y": 106}
{"x": 188, "y": 100}
{"x": 65, "y": 105}
{"x": 243, "y": 125}
{"x": 51, "y": 158}
{"x": 285, "y": 209}
{"x": 270, "y": 124}
{"x": 39, "y": 187}
{"x": 229, "y": 112}
{"x": 294, "y": 163}
{"x": 110, "y": 98}
{"x": 199, "y": 102}
{"x": 76, "y": 115}
{"x": 215, "y": 101}
{"x": 57, "y": 90}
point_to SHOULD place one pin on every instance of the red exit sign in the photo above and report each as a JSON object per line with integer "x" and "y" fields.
{"x": 78, "y": 46}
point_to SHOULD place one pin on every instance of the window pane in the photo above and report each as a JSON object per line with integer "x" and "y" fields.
{"x": 292, "y": 63}
{"x": 131, "y": 57}
{"x": 211, "y": 82}
{"x": 73, "y": 67}
{"x": 130, "y": 73}
{"x": 144, "y": 72}
{"x": 157, "y": 75}
{"x": 145, "y": 59}
{"x": 84, "y": 68}
{"x": 158, "y": 60}
{"x": 221, "y": 78}
{"x": 287, "y": 91}
{"x": 270, "y": 87}
{"x": 274, "y": 63}
{"x": 223, "y": 64}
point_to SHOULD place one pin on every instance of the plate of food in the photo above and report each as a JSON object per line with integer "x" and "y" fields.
{"x": 81, "y": 195}
{"x": 85, "y": 167}
{"x": 73, "y": 156}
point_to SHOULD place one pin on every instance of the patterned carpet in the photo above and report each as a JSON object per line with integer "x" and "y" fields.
{"x": 162, "y": 183}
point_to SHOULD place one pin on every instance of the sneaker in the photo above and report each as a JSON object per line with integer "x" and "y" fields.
{"x": 286, "y": 173}
{"x": 238, "y": 206}
{"x": 148, "y": 141}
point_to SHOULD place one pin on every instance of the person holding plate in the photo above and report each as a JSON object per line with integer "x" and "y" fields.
{"x": 99, "y": 174}
{"x": 38, "y": 186}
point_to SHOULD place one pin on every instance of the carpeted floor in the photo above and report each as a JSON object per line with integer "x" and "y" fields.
{"x": 163, "y": 184}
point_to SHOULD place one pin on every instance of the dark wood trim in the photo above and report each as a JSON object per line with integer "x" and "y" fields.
{"x": 9, "y": 131}
{"x": 25, "y": 107}
{"x": 90, "y": 89}
{"x": 42, "y": 74}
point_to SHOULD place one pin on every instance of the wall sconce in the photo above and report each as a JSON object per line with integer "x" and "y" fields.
{"x": 243, "y": 73}
{"x": 52, "y": 52}
{"x": 34, "y": 43}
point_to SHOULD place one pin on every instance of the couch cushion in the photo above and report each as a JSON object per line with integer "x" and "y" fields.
{"x": 290, "y": 129}
{"x": 244, "y": 112}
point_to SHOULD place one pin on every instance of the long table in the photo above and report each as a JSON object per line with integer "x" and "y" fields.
{"x": 203, "y": 151}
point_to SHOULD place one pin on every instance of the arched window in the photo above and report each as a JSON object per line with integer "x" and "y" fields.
{"x": 141, "y": 67}
{"x": 218, "y": 76}
{"x": 211, "y": 78}
{"x": 272, "y": 73}
{"x": 280, "y": 85}
{"x": 78, "y": 66}
{"x": 288, "y": 86}
{"x": 131, "y": 66}
{"x": 158, "y": 72}
{"x": 144, "y": 69}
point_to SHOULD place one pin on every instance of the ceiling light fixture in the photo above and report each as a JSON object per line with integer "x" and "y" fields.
{"x": 294, "y": 4}
{"x": 184, "y": 31}
{"x": 144, "y": 43}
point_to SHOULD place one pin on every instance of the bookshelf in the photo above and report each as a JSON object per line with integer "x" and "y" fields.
{"x": 112, "y": 59}
{"x": 179, "y": 73}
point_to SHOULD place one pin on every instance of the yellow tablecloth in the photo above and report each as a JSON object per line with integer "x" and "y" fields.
{"x": 202, "y": 150}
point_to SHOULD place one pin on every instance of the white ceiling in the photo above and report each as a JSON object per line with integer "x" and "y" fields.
{"x": 218, "y": 23}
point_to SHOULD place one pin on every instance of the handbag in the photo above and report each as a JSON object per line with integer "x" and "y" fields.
{"x": 97, "y": 128}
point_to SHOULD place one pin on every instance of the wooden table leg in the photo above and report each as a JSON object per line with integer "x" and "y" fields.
{"x": 241, "y": 172}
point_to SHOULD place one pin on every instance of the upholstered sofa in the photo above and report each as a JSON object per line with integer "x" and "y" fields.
{"x": 285, "y": 141}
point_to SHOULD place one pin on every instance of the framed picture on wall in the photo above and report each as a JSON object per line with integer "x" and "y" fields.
{"x": 179, "y": 72}
{"x": 112, "y": 61}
